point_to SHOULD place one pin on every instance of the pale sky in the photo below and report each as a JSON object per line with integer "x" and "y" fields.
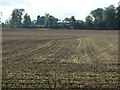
{"x": 58, "y": 8}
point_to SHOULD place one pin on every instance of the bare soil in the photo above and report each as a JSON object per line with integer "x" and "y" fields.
{"x": 39, "y": 58}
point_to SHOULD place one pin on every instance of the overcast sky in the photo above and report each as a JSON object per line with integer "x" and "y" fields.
{"x": 58, "y": 8}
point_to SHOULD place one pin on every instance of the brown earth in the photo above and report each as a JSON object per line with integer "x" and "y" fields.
{"x": 36, "y": 58}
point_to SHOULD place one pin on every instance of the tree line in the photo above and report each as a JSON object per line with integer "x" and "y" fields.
{"x": 99, "y": 19}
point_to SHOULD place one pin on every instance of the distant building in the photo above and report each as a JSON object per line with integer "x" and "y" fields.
{"x": 40, "y": 20}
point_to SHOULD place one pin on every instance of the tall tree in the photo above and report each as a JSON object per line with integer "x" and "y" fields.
{"x": 16, "y": 17}
{"x": 97, "y": 15}
{"x": 66, "y": 23}
{"x": 50, "y": 21}
{"x": 109, "y": 16}
{"x": 89, "y": 22}
{"x": 118, "y": 17}
{"x": 47, "y": 22}
{"x": 73, "y": 22}
{"x": 70, "y": 23}
{"x": 27, "y": 20}
{"x": 66, "y": 20}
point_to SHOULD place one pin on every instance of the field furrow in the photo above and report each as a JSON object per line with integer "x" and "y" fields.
{"x": 60, "y": 59}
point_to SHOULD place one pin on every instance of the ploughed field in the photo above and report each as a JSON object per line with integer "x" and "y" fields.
{"x": 34, "y": 58}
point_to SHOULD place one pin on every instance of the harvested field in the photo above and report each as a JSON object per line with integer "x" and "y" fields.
{"x": 34, "y": 58}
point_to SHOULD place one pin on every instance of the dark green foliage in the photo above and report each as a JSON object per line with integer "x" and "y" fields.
{"x": 27, "y": 20}
{"x": 89, "y": 22}
{"x": 33, "y": 26}
{"x": 97, "y": 14}
{"x": 118, "y": 17}
{"x": 109, "y": 16}
{"x": 70, "y": 23}
{"x": 50, "y": 21}
{"x": 73, "y": 22}
{"x": 80, "y": 24}
{"x": 66, "y": 23}
{"x": 99, "y": 19}
{"x": 16, "y": 17}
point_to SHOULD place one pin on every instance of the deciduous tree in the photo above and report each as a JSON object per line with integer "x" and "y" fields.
{"x": 16, "y": 17}
{"x": 109, "y": 16}
{"x": 27, "y": 20}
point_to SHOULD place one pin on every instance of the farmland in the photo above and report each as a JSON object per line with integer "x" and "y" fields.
{"x": 34, "y": 58}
